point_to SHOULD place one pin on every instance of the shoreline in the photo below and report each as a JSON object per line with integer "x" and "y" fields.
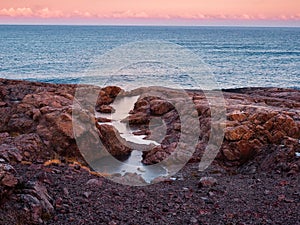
{"x": 234, "y": 90}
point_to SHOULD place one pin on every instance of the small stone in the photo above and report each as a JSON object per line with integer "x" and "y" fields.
{"x": 26, "y": 154}
{"x": 2, "y": 104}
{"x": 207, "y": 200}
{"x": 141, "y": 169}
{"x": 281, "y": 197}
{"x": 58, "y": 202}
{"x": 211, "y": 193}
{"x": 287, "y": 200}
{"x": 207, "y": 182}
{"x": 87, "y": 194}
{"x": 95, "y": 182}
{"x": 77, "y": 167}
{"x": 193, "y": 220}
{"x": 66, "y": 191}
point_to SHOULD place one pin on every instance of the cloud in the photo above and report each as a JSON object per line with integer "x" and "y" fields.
{"x": 28, "y": 12}
{"x": 50, "y": 13}
{"x": 17, "y": 12}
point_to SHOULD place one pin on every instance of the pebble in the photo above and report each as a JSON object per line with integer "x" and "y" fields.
{"x": 141, "y": 169}
{"x": 207, "y": 182}
{"x": 87, "y": 194}
{"x": 76, "y": 167}
{"x": 193, "y": 220}
{"x": 66, "y": 191}
{"x": 95, "y": 182}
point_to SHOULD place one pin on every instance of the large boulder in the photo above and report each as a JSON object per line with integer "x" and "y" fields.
{"x": 112, "y": 141}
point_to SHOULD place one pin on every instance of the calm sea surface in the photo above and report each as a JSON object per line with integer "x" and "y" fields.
{"x": 236, "y": 57}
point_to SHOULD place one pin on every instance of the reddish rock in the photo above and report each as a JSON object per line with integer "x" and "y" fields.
{"x": 160, "y": 107}
{"x": 32, "y": 147}
{"x": 236, "y": 133}
{"x": 207, "y": 182}
{"x": 112, "y": 140}
{"x": 7, "y": 177}
{"x": 107, "y": 95}
{"x": 105, "y": 109}
{"x": 238, "y": 116}
{"x": 141, "y": 103}
{"x": 154, "y": 156}
{"x": 103, "y": 120}
{"x": 137, "y": 119}
{"x": 112, "y": 91}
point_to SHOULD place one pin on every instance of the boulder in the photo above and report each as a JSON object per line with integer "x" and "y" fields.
{"x": 107, "y": 95}
{"x": 159, "y": 107}
{"x": 112, "y": 141}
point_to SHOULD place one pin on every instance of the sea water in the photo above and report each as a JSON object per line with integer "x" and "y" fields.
{"x": 236, "y": 56}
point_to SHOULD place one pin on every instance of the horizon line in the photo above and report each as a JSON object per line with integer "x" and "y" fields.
{"x": 151, "y": 25}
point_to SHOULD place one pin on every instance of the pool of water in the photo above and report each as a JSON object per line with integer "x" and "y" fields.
{"x": 133, "y": 164}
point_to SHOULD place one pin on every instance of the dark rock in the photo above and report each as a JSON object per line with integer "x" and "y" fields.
{"x": 10, "y": 153}
{"x": 37, "y": 202}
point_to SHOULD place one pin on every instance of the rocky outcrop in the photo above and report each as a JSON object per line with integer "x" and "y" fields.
{"x": 37, "y": 121}
{"x": 37, "y": 118}
{"x": 255, "y": 119}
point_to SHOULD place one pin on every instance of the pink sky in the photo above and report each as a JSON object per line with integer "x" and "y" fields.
{"x": 190, "y": 12}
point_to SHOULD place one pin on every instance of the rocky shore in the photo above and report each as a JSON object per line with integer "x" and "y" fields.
{"x": 44, "y": 178}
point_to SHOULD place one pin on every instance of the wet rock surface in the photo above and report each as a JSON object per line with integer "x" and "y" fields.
{"x": 253, "y": 180}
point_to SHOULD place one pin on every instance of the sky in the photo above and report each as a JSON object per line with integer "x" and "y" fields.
{"x": 152, "y": 12}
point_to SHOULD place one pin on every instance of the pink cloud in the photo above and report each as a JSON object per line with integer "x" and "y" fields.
{"x": 128, "y": 14}
{"x": 16, "y": 12}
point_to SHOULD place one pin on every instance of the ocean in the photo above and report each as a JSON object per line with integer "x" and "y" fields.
{"x": 234, "y": 56}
